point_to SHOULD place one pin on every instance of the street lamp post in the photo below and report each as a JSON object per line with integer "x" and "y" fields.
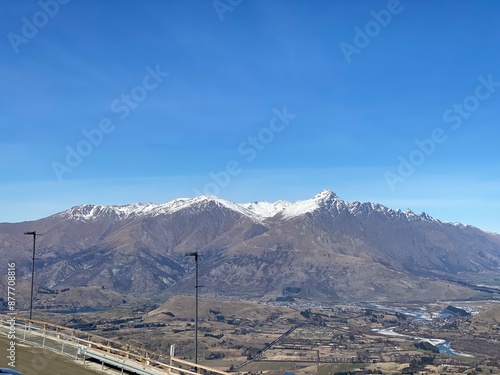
{"x": 34, "y": 234}
{"x": 194, "y": 254}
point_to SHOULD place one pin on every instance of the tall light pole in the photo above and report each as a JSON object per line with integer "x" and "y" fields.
{"x": 34, "y": 234}
{"x": 196, "y": 286}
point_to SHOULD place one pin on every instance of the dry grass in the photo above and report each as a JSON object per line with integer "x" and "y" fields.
{"x": 182, "y": 307}
{"x": 489, "y": 316}
{"x": 231, "y": 330}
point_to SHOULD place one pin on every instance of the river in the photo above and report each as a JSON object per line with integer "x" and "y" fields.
{"x": 444, "y": 346}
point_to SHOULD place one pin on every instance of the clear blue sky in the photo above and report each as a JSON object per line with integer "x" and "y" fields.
{"x": 278, "y": 99}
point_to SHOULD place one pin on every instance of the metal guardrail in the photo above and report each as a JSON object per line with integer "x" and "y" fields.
{"x": 83, "y": 346}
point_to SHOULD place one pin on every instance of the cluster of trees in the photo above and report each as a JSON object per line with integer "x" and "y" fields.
{"x": 216, "y": 355}
{"x": 250, "y": 352}
{"x": 218, "y": 315}
{"x": 44, "y": 290}
{"x": 315, "y": 317}
{"x": 457, "y": 311}
{"x": 424, "y": 345}
{"x": 285, "y": 299}
{"x": 291, "y": 290}
{"x": 218, "y": 337}
{"x": 417, "y": 365}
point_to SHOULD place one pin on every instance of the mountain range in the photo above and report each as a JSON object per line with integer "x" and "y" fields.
{"x": 320, "y": 249}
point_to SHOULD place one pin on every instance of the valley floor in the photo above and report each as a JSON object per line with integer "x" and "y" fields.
{"x": 305, "y": 338}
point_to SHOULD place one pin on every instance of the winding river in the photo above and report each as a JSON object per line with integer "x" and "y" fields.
{"x": 442, "y": 345}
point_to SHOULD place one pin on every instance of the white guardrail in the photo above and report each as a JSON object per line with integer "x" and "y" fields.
{"x": 84, "y": 346}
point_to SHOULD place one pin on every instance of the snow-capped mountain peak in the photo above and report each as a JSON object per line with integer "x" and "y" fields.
{"x": 288, "y": 210}
{"x": 264, "y": 209}
{"x": 256, "y": 211}
{"x": 207, "y": 199}
{"x": 90, "y": 212}
{"x": 325, "y": 195}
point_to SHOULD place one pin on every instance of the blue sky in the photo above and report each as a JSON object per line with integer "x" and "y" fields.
{"x": 115, "y": 102}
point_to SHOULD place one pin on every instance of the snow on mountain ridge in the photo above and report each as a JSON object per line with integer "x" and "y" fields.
{"x": 257, "y": 211}
{"x": 182, "y": 203}
{"x": 121, "y": 212}
{"x": 287, "y": 209}
{"x": 266, "y": 209}
{"x": 88, "y": 212}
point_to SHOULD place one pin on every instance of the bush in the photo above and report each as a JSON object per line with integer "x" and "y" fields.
{"x": 306, "y": 314}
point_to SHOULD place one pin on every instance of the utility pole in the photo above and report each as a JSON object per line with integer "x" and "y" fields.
{"x": 194, "y": 254}
{"x": 34, "y": 234}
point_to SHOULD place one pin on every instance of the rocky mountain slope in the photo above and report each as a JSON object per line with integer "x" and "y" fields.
{"x": 324, "y": 249}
